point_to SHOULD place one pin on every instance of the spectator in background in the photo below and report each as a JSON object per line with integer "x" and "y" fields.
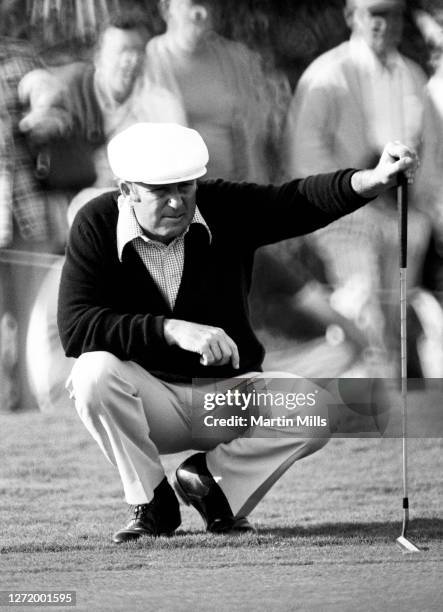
{"x": 347, "y": 104}
{"x": 431, "y": 26}
{"x": 31, "y": 219}
{"x": 25, "y": 206}
{"x": 224, "y": 91}
{"x": 106, "y": 95}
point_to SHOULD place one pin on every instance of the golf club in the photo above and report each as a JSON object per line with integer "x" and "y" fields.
{"x": 402, "y": 200}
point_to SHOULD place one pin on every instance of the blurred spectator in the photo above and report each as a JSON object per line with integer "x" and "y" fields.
{"x": 293, "y": 317}
{"x": 31, "y": 219}
{"x": 347, "y": 103}
{"x": 105, "y": 96}
{"x": 226, "y": 94}
{"x": 25, "y": 206}
{"x": 431, "y": 26}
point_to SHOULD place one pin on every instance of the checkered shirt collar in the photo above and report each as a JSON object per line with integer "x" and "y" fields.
{"x": 128, "y": 228}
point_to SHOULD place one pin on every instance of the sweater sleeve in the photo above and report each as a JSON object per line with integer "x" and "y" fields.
{"x": 259, "y": 215}
{"x": 86, "y": 321}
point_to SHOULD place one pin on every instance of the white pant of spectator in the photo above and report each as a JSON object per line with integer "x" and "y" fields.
{"x": 135, "y": 417}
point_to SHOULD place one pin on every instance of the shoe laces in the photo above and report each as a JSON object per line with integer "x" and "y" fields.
{"x": 139, "y": 511}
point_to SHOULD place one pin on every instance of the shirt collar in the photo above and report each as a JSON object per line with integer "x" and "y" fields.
{"x": 128, "y": 228}
{"x": 365, "y": 57}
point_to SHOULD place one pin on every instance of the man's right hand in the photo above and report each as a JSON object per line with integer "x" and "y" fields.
{"x": 212, "y": 343}
{"x": 395, "y": 159}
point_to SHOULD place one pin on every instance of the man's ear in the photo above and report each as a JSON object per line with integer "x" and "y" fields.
{"x": 199, "y": 14}
{"x": 127, "y": 189}
{"x": 124, "y": 188}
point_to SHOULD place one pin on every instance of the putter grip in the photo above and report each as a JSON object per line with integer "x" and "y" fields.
{"x": 402, "y": 202}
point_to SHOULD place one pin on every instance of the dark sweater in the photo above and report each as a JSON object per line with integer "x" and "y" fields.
{"x": 108, "y": 305}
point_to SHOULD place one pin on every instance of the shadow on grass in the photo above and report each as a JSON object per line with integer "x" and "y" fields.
{"x": 342, "y": 534}
{"x": 428, "y": 528}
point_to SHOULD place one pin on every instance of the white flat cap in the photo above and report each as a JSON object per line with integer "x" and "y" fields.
{"x": 157, "y": 154}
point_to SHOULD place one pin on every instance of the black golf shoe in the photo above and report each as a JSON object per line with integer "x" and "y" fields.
{"x": 196, "y": 487}
{"x": 161, "y": 516}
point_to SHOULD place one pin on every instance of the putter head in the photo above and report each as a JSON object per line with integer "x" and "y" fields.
{"x": 406, "y": 545}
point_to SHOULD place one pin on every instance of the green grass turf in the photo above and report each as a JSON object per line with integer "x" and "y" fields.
{"x": 325, "y": 541}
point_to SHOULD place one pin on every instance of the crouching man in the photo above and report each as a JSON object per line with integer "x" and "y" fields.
{"x": 153, "y": 303}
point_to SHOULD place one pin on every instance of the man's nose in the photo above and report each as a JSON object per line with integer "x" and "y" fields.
{"x": 175, "y": 202}
{"x": 175, "y": 199}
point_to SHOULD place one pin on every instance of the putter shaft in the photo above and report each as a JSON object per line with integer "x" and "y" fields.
{"x": 402, "y": 195}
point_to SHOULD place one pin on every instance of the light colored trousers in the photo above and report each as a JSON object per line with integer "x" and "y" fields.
{"x": 135, "y": 417}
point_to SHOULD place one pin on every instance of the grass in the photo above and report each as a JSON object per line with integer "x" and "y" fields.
{"x": 325, "y": 540}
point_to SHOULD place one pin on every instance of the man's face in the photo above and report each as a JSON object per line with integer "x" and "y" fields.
{"x": 119, "y": 60}
{"x": 164, "y": 211}
{"x": 381, "y": 26}
{"x": 192, "y": 16}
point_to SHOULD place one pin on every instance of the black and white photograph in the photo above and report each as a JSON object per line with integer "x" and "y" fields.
{"x": 221, "y": 305}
